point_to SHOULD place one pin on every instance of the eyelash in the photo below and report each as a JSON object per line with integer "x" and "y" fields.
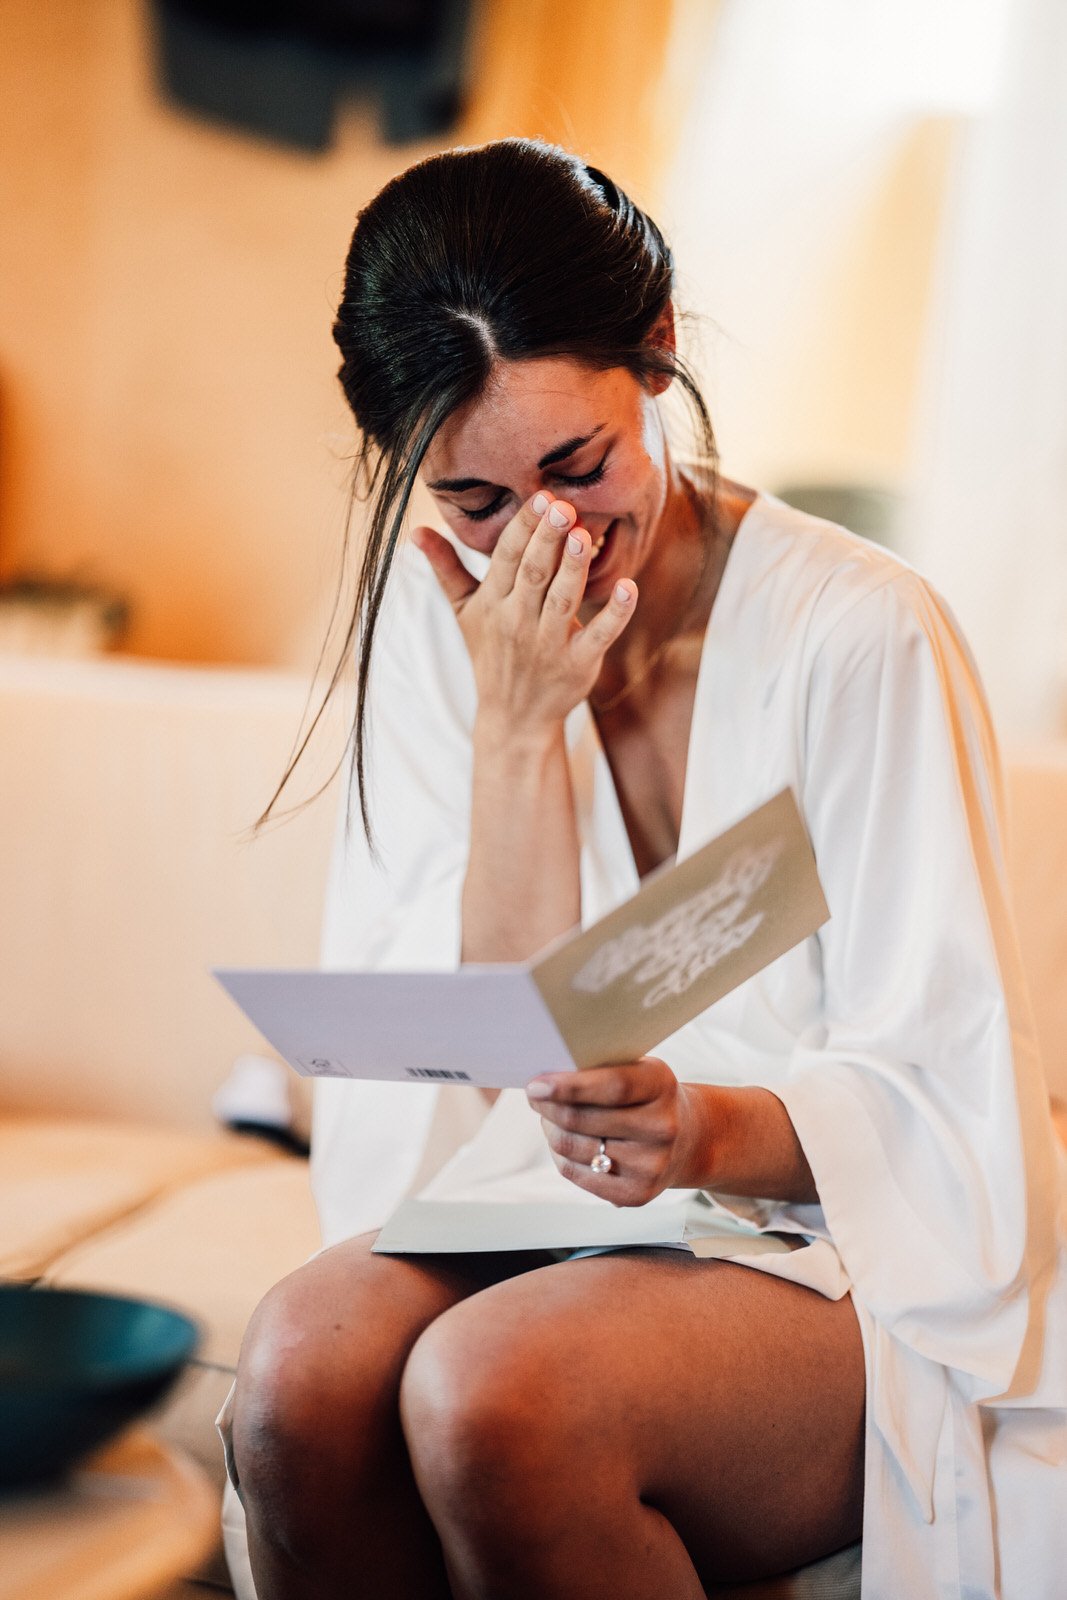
{"x": 586, "y": 481}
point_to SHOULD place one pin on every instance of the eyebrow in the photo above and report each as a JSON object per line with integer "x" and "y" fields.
{"x": 551, "y": 459}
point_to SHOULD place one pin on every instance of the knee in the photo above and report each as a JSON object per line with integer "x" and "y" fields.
{"x": 482, "y": 1424}
{"x": 276, "y": 1399}
{"x": 302, "y": 1408}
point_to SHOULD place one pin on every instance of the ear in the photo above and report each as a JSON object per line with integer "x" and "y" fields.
{"x": 662, "y": 338}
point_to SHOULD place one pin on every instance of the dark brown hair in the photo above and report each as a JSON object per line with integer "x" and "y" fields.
{"x": 504, "y": 252}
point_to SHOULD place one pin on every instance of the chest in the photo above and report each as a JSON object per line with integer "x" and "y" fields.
{"x": 646, "y": 745}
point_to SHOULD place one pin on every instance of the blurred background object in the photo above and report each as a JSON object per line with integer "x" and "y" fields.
{"x": 75, "y": 1368}
{"x": 281, "y": 69}
{"x": 59, "y": 617}
{"x": 872, "y": 512}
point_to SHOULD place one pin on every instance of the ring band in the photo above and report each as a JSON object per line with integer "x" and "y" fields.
{"x": 602, "y": 1162}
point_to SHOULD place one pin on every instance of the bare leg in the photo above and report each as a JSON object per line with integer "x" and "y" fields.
{"x": 331, "y": 1505}
{"x": 639, "y": 1425}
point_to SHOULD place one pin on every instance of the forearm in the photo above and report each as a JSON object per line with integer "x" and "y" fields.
{"x": 745, "y": 1144}
{"x": 522, "y": 884}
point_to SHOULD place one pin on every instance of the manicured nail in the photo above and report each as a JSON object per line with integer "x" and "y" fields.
{"x": 574, "y": 545}
{"x": 539, "y": 1089}
{"x": 559, "y": 517}
{"x": 540, "y": 504}
{"x": 622, "y": 594}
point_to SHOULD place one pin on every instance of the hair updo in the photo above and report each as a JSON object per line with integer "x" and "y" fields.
{"x": 503, "y": 252}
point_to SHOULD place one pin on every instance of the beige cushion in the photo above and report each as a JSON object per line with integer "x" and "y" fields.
{"x": 61, "y": 1181}
{"x": 127, "y": 874}
{"x": 213, "y": 1249}
{"x": 1037, "y": 794}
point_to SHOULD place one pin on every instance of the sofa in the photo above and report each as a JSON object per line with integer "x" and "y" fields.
{"x": 125, "y": 874}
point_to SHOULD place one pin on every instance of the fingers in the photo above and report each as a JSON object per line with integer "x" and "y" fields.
{"x": 633, "y": 1108}
{"x": 636, "y": 1103}
{"x": 580, "y": 1149}
{"x": 541, "y": 559}
{"x": 633, "y": 1084}
{"x": 527, "y": 553}
{"x": 637, "y": 1174}
{"x": 648, "y": 1124}
{"x": 564, "y": 594}
{"x": 590, "y": 645}
{"x": 448, "y": 569}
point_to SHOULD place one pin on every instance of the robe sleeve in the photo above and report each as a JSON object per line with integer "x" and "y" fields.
{"x": 919, "y": 1101}
{"x": 398, "y": 907}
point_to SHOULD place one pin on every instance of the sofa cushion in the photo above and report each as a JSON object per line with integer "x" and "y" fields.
{"x": 62, "y": 1180}
{"x": 1037, "y": 856}
{"x": 128, "y": 873}
{"x": 212, "y": 1248}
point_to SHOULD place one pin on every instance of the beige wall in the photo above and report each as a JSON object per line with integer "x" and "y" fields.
{"x": 166, "y": 289}
{"x": 805, "y": 207}
{"x": 171, "y": 422}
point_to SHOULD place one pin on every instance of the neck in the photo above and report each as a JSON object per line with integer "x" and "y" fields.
{"x": 678, "y": 588}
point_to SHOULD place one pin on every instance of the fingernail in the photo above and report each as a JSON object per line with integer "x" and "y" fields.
{"x": 539, "y": 1089}
{"x": 559, "y": 516}
{"x": 574, "y": 545}
{"x": 622, "y": 594}
{"x": 540, "y": 504}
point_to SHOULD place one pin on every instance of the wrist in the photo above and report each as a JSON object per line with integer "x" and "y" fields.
{"x": 500, "y": 739}
{"x": 746, "y": 1145}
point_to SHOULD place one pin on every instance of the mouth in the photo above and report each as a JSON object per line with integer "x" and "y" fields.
{"x": 602, "y": 545}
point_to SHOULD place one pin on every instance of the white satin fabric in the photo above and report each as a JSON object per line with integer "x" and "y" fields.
{"x": 899, "y": 1038}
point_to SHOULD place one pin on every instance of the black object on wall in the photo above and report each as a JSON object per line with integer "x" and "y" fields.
{"x": 280, "y": 69}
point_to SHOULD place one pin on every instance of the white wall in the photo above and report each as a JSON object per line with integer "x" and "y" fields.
{"x": 990, "y": 523}
{"x": 805, "y": 211}
{"x": 871, "y": 208}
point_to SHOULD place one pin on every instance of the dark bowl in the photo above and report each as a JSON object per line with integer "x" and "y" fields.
{"x": 76, "y": 1368}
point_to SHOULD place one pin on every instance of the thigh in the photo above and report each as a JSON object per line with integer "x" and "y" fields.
{"x": 730, "y": 1400}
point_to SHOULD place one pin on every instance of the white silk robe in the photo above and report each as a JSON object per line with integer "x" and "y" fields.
{"x": 899, "y": 1037}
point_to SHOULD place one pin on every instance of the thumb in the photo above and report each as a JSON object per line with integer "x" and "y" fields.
{"x": 448, "y": 569}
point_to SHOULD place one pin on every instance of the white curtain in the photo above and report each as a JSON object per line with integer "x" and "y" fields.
{"x": 990, "y": 523}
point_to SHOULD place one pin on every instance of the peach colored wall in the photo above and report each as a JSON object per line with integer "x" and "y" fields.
{"x": 170, "y": 419}
{"x": 171, "y": 422}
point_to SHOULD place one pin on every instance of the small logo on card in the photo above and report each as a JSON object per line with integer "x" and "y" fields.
{"x": 322, "y": 1067}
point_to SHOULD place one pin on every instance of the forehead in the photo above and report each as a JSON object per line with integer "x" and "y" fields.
{"x": 528, "y": 409}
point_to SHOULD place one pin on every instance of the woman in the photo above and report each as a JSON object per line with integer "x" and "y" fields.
{"x": 612, "y": 657}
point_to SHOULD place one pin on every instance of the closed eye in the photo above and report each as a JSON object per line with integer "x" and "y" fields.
{"x": 483, "y": 513}
{"x": 585, "y": 479}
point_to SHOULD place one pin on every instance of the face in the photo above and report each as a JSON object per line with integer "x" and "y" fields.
{"x": 591, "y": 438}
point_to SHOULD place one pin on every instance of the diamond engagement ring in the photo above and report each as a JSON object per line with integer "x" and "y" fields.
{"x": 602, "y": 1162}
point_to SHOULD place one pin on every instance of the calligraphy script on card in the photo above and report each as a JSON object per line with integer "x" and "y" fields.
{"x": 695, "y": 930}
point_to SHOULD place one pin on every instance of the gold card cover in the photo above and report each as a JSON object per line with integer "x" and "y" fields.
{"x": 695, "y": 930}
